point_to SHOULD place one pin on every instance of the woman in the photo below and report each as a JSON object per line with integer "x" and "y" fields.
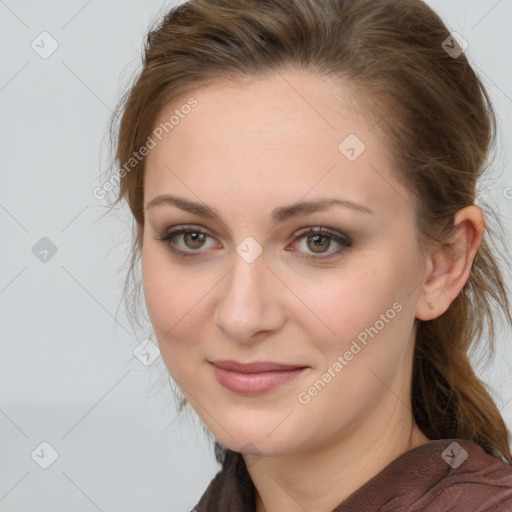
{"x": 302, "y": 176}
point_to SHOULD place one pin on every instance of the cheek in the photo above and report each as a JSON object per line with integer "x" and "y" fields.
{"x": 344, "y": 304}
{"x": 370, "y": 305}
{"x": 173, "y": 299}
{"x": 156, "y": 290}
{"x": 357, "y": 363}
{"x": 165, "y": 294}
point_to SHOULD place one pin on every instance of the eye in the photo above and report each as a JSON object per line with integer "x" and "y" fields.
{"x": 316, "y": 240}
{"x": 319, "y": 240}
{"x": 192, "y": 238}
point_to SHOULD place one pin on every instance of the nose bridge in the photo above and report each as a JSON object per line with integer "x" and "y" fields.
{"x": 248, "y": 303}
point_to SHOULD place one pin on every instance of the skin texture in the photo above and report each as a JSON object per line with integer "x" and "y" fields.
{"x": 246, "y": 149}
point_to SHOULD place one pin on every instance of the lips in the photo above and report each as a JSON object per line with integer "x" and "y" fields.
{"x": 254, "y": 378}
{"x": 258, "y": 367}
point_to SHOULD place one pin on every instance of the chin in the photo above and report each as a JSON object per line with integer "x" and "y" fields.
{"x": 253, "y": 435}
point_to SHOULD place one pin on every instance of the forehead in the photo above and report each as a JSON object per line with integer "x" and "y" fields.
{"x": 290, "y": 108}
{"x": 289, "y": 134}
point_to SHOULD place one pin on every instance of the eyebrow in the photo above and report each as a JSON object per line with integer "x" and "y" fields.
{"x": 279, "y": 214}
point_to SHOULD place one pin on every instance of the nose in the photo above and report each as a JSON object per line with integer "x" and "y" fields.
{"x": 250, "y": 303}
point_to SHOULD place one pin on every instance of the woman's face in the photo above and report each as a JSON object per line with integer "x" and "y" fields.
{"x": 255, "y": 168}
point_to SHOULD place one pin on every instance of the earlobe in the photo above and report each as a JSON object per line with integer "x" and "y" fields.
{"x": 451, "y": 264}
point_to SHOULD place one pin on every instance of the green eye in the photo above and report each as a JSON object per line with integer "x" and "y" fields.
{"x": 318, "y": 241}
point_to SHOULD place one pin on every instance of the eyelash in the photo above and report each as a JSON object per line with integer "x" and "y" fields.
{"x": 344, "y": 241}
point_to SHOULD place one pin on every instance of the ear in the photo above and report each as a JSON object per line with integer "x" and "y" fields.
{"x": 450, "y": 263}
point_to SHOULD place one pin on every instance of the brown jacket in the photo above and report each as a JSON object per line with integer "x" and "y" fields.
{"x": 447, "y": 475}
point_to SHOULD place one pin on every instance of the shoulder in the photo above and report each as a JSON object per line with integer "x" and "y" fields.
{"x": 474, "y": 480}
{"x": 450, "y": 475}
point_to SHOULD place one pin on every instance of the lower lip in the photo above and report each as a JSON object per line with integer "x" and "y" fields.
{"x": 254, "y": 383}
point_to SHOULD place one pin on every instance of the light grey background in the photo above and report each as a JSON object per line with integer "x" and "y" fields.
{"x": 68, "y": 374}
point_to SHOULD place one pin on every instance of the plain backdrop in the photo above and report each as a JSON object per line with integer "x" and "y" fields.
{"x": 74, "y": 397}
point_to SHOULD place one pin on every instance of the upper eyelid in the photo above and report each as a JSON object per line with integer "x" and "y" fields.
{"x": 297, "y": 233}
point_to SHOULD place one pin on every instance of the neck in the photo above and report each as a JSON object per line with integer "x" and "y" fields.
{"x": 319, "y": 479}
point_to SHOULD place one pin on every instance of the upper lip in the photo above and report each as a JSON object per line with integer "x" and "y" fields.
{"x": 256, "y": 367}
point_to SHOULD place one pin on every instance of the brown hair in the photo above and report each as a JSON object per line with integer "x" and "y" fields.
{"x": 431, "y": 109}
